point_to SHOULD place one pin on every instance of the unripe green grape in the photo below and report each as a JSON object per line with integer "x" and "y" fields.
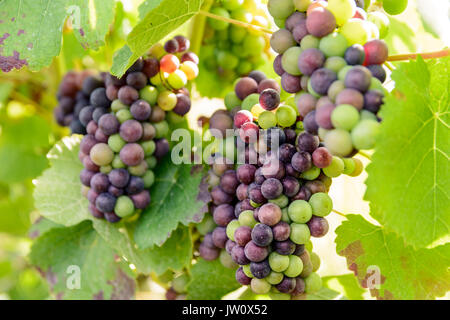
{"x": 376, "y": 84}
{"x": 349, "y": 166}
{"x": 177, "y": 79}
{"x": 232, "y": 101}
{"x": 335, "y": 88}
{"x": 282, "y": 201}
{"x": 167, "y": 100}
{"x": 222, "y": 36}
{"x": 280, "y": 9}
{"x": 285, "y": 215}
{"x": 381, "y": 21}
{"x": 313, "y": 283}
{"x": 365, "y": 114}
{"x": 335, "y": 63}
{"x": 179, "y": 283}
{"x": 149, "y": 94}
{"x": 280, "y": 23}
{"x": 151, "y": 162}
{"x": 282, "y": 40}
{"x": 138, "y": 170}
{"x": 323, "y": 133}
{"x": 162, "y": 129}
{"x": 149, "y": 179}
{"x": 254, "y": 44}
{"x": 365, "y": 133}
{"x": 226, "y": 260}
{"x": 237, "y": 34}
{"x": 267, "y": 120}
{"x": 339, "y": 142}
{"x": 124, "y": 115}
{"x": 117, "y": 105}
{"x": 311, "y": 90}
{"x": 117, "y": 163}
{"x": 309, "y": 42}
{"x": 343, "y": 73}
{"x": 342, "y": 10}
{"x": 260, "y": 286}
{"x": 286, "y": 116}
{"x": 345, "y": 117}
{"x": 311, "y": 174}
{"x": 321, "y": 204}
{"x": 302, "y": 5}
{"x": 300, "y": 211}
{"x": 250, "y": 101}
{"x": 277, "y": 262}
{"x": 231, "y": 228}
{"x": 124, "y": 207}
{"x": 242, "y": 15}
{"x": 300, "y": 233}
{"x": 246, "y": 219}
{"x": 247, "y": 272}
{"x": 295, "y": 267}
{"x": 156, "y": 80}
{"x": 244, "y": 67}
{"x": 219, "y": 24}
{"x": 335, "y": 169}
{"x": 232, "y": 4}
{"x": 149, "y": 147}
{"x": 106, "y": 169}
{"x": 394, "y": 7}
{"x": 101, "y": 154}
{"x": 289, "y": 61}
{"x": 206, "y": 225}
{"x": 333, "y": 45}
{"x": 274, "y": 277}
{"x": 356, "y": 31}
{"x": 315, "y": 261}
{"x": 227, "y": 60}
{"x": 116, "y": 143}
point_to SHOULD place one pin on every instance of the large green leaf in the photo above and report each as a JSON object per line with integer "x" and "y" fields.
{"x": 210, "y": 280}
{"x": 178, "y": 196}
{"x": 60, "y": 251}
{"x": 346, "y": 284}
{"x": 31, "y": 30}
{"x": 159, "y": 21}
{"x": 175, "y": 254}
{"x": 404, "y": 273}
{"x": 58, "y": 191}
{"x": 408, "y": 177}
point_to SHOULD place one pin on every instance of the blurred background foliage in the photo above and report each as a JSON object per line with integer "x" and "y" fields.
{"x": 28, "y": 131}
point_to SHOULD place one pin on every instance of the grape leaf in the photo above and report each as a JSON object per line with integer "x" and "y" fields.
{"x": 346, "y": 284}
{"x": 147, "y": 6}
{"x": 412, "y": 150}
{"x": 325, "y": 294}
{"x": 175, "y": 199}
{"x": 41, "y": 226}
{"x": 404, "y": 273}
{"x": 58, "y": 191}
{"x": 210, "y": 280}
{"x": 23, "y": 144}
{"x": 159, "y": 21}
{"x": 175, "y": 254}
{"x": 30, "y": 31}
{"x": 60, "y": 251}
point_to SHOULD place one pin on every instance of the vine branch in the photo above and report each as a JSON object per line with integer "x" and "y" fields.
{"x": 365, "y": 155}
{"x": 425, "y": 55}
{"x": 236, "y": 22}
{"x": 340, "y": 213}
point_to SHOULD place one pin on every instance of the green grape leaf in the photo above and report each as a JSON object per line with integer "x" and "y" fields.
{"x": 23, "y": 144}
{"x": 178, "y": 196}
{"x": 210, "y": 280}
{"x": 413, "y": 149}
{"x": 345, "y": 284}
{"x": 146, "y": 6}
{"x": 390, "y": 269}
{"x": 175, "y": 254}
{"x": 58, "y": 191}
{"x": 325, "y": 294}
{"x": 41, "y": 226}
{"x": 63, "y": 254}
{"x": 159, "y": 21}
{"x": 31, "y": 31}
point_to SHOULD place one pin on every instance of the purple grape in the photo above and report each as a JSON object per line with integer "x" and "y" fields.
{"x": 286, "y": 151}
{"x": 246, "y": 205}
{"x": 299, "y": 286}
{"x": 260, "y": 269}
{"x": 307, "y": 142}
{"x": 183, "y": 43}
{"x": 229, "y": 246}
{"x": 285, "y": 248}
{"x": 219, "y": 237}
{"x": 302, "y": 161}
{"x": 269, "y": 84}
{"x": 290, "y": 135}
{"x": 277, "y": 65}
{"x": 373, "y": 100}
{"x": 323, "y": 116}
{"x": 255, "y": 194}
{"x": 290, "y": 83}
{"x": 87, "y": 143}
{"x": 262, "y": 235}
{"x": 183, "y": 104}
{"x": 86, "y": 176}
{"x": 229, "y": 182}
{"x": 119, "y": 178}
{"x": 116, "y": 192}
{"x": 269, "y": 214}
{"x": 162, "y": 148}
{"x": 258, "y": 76}
{"x": 241, "y": 192}
{"x": 131, "y": 131}
{"x": 100, "y": 136}
{"x": 310, "y": 124}
{"x": 220, "y": 197}
{"x": 137, "y": 66}
{"x": 316, "y": 186}
{"x": 355, "y": 55}
{"x": 255, "y": 253}
{"x": 171, "y": 46}
{"x": 291, "y": 186}
{"x": 99, "y": 99}
{"x": 137, "y": 80}
{"x": 132, "y": 154}
{"x": 294, "y": 19}
{"x": 86, "y": 115}
{"x": 135, "y": 185}
{"x": 95, "y": 212}
{"x": 281, "y": 231}
{"x": 109, "y": 124}
{"x": 127, "y": 95}
{"x": 310, "y": 60}
{"x": 378, "y": 72}
{"x": 243, "y": 235}
{"x": 100, "y": 183}
{"x": 246, "y": 173}
{"x": 242, "y": 278}
{"x": 306, "y": 103}
{"x": 208, "y": 240}
{"x": 300, "y": 31}
{"x": 151, "y": 67}
{"x": 299, "y": 249}
{"x": 259, "y": 177}
{"x": 273, "y": 168}
{"x": 190, "y": 56}
{"x": 223, "y": 215}
{"x": 105, "y": 202}
{"x": 358, "y": 78}
{"x": 318, "y": 227}
{"x": 287, "y": 285}
{"x": 111, "y": 217}
{"x": 291, "y": 172}
{"x": 112, "y": 92}
{"x": 207, "y": 253}
{"x": 271, "y": 188}
{"x": 141, "y": 110}
{"x": 322, "y": 79}
{"x": 245, "y": 87}
{"x": 141, "y": 200}
{"x": 322, "y": 158}
{"x": 352, "y": 97}
{"x": 238, "y": 255}
{"x": 320, "y": 22}
{"x": 303, "y": 194}
{"x": 90, "y": 84}
{"x": 269, "y": 99}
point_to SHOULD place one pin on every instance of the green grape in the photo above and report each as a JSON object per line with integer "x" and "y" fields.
{"x": 282, "y": 201}
{"x": 231, "y": 228}
{"x": 226, "y": 260}
{"x": 246, "y": 269}
{"x": 286, "y": 116}
{"x": 365, "y": 114}
{"x": 365, "y": 133}
{"x": 250, "y": 101}
{"x": 267, "y": 120}
{"x": 280, "y": 23}
{"x": 138, "y": 170}
{"x": 242, "y": 15}
{"x": 343, "y": 72}
{"x": 300, "y": 233}
{"x": 339, "y": 142}
{"x": 124, "y": 115}
{"x": 254, "y": 44}
{"x": 311, "y": 174}
{"x": 323, "y": 133}
{"x": 342, "y": 10}
{"x": 280, "y": 9}
{"x": 302, "y": 5}
{"x": 277, "y": 262}
{"x": 335, "y": 88}
{"x": 162, "y": 129}
{"x": 124, "y": 207}
{"x": 219, "y": 24}
{"x": 117, "y": 163}
{"x": 356, "y": 31}
{"x": 381, "y": 21}
{"x": 222, "y": 36}
{"x": 349, "y": 166}
{"x": 345, "y": 117}
{"x": 395, "y": 7}
{"x": 232, "y": 101}
{"x": 309, "y": 246}
{"x": 180, "y": 283}
{"x": 295, "y": 267}
{"x": 311, "y": 90}
{"x": 151, "y": 162}
{"x": 149, "y": 179}
{"x": 167, "y": 100}
{"x": 289, "y": 60}
{"x": 117, "y": 105}
{"x": 232, "y": 4}
{"x": 116, "y": 143}
{"x": 274, "y": 278}
{"x": 309, "y": 42}
{"x": 321, "y": 204}
{"x": 333, "y": 45}
{"x": 177, "y": 79}
{"x": 285, "y": 215}
{"x": 260, "y": 286}
{"x": 335, "y": 169}
{"x": 335, "y": 63}
{"x": 101, "y": 154}
{"x": 300, "y": 211}
{"x": 244, "y": 67}
{"x": 106, "y": 169}
{"x": 227, "y": 60}
{"x": 315, "y": 261}
{"x": 206, "y": 225}
{"x": 376, "y": 84}
{"x": 313, "y": 283}
{"x": 246, "y": 219}
{"x": 237, "y": 34}
{"x": 149, "y": 94}
{"x": 156, "y": 80}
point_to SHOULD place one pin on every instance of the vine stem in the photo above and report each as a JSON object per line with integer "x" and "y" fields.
{"x": 365, "y": 155}
{"x": 236, "y": 22}
{"x": 389, "y": 66}
{"x": 340, "y": 213}
{"x": 425, "y": 55}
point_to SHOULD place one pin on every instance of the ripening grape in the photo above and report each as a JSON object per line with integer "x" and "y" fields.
{"x": 395, "y": 7}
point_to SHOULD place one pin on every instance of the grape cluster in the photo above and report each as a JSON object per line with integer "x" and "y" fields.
{"x": 331, "y": 58}
{"x": 264, "y": 212}
{"x": 236, "y": 50}
{"x": 126, "y": 128}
